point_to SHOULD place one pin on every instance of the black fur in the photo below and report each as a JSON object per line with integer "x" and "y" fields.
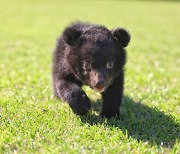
{"x": 88, "y": 54}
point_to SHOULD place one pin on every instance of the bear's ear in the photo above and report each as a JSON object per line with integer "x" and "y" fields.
{"x": 122, "y": 36}
{"x": 71, "y": 35}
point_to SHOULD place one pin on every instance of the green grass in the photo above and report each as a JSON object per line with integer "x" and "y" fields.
{"x": 31, "y": 120}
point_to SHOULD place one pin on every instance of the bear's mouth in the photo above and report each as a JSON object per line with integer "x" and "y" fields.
{"x": 99, "y": 88}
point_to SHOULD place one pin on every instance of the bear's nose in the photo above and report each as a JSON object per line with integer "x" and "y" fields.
{"x": 100, "y": 86}
{"x": 100, "y": 83}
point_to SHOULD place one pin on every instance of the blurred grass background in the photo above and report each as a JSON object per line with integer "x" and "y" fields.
{"x": 32, "y": 121}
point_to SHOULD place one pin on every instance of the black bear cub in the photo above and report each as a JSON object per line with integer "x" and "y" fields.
{"x": 89, "y": 54}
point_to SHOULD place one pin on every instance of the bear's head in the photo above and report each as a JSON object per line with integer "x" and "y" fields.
{"x": 96, "y": 54}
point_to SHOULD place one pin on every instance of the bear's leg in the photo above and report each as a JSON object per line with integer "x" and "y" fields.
{"x": 55, "y": 91}
{"x": 74, "y": 96}
{"x": 112, "y": 98}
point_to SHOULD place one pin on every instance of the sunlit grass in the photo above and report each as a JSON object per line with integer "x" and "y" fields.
{"x": 31, "y": 120}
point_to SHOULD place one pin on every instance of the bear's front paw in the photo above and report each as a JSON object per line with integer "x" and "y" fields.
{"x": 110, "y": 115}
{"x": 80, "y": 105}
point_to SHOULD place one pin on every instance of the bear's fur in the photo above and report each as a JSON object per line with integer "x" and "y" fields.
{"x": 88, "y": 54}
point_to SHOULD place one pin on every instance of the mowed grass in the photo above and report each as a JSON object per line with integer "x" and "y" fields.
{"x": 32, "y": 121}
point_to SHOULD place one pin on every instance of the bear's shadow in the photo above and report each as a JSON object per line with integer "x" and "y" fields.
{"x": 140, "y": 122}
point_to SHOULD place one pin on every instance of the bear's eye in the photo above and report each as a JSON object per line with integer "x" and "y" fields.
{"x": 86, "y": 67}
{"x": 109, "y": 65}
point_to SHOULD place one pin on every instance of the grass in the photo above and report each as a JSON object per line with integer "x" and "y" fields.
{"x": 32, "y": 121}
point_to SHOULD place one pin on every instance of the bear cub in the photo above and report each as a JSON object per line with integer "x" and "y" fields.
{"x": 89, "y": 54}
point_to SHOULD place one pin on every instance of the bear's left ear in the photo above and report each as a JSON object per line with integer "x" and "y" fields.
{"x": 71, "y": 36}
{"x": 122, "y": 36}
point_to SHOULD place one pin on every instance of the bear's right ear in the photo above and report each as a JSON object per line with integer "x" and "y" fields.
{"x": 71, "y": 35}
{"x": 122, "y": 36}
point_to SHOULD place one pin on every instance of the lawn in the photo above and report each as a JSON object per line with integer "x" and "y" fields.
{"x": 32, "y": 121}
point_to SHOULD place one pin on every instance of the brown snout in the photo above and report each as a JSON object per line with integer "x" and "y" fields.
{"x": 97, "y": 80}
